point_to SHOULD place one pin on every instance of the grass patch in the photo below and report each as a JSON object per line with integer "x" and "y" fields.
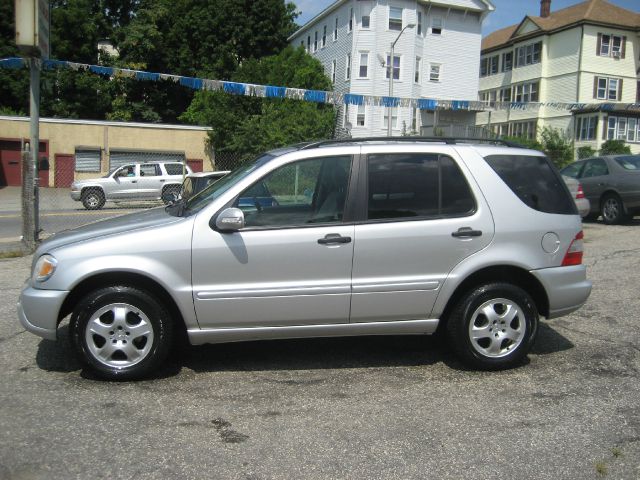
{"x": 601, "y": 468}
{"x": 11, "y": 254}
{"x": 616, "y": 452}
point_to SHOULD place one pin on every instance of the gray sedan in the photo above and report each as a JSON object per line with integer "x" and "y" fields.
{"x": 611, "y": 184}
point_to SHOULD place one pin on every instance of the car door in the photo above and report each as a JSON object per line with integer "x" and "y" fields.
{"x": 150, "y": 182}
{"x": 595, "y": 180}
{"x": 291, "y": 264}
{"x": 421, "y": 218}
{"x": 124, "y": 183}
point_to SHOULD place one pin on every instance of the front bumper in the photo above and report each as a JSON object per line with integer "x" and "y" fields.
{"x": 38, "y": 310}
{"x": 75, "y": 195}
{"x": 567, "y": 288}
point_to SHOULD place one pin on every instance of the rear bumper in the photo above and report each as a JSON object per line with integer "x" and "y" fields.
{"x": 567, "y": 288}
{"x": 38, "y": 310}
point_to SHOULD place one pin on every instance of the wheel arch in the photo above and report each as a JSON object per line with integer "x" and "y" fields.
{"x": 500, "y": 273}
{"x": 132, "y": 279}
{"x": 610, "y": 191}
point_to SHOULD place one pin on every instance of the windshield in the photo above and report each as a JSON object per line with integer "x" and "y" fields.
{"x": 631, "y": 162}
{"x": 217, "y": 188}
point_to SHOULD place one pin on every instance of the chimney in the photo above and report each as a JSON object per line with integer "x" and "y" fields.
{"x": 545, "y": 8}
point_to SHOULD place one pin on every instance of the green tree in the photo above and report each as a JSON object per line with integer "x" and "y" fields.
{"x": 247, "y": 126}
{"x": 586, "y": 152}
{"x": 14, "y": 84}
{"x": 614, "y": 147}
{"x": 557, "y": 146}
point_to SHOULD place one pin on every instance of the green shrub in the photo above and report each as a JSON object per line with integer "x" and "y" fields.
{"x": 614, "y": 147}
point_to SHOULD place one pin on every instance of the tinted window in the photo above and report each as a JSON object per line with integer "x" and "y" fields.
{"x": 631, "y": 162}
{"x": 534, "y": 181}
{"x": 416, "y": 185}
{"x": 595, "y": 168}
{"x": 573, "y": 170}
{"x": 300, "y": 193}
{"x": 173, "y": 168}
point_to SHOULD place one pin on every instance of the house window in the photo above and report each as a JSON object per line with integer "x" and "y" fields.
{"x": 632, "y": 133}
{"x": 395, "y": 18}
{"x": 365, "y": 23}
{"x": 419, "y": 24}
{"x": 324, "y": 36}
{"x": 524, "y": 130}
{"x": 505, "y": 95}
{"x": 528, "y": 54}
{"x": 350, "y": 19}
{"x": 610, "y": 45}
{"x": 489, "y": 65}
{"x": 335, "y": 31}
{"x": 302, "y": 43}
{"x": 333, "y": 71}
{"x": 394, "y": 118}
{"x": 586, "y": 128}
{"x": 395, "y": 67}
{"x": 315, "y": 42}
{"x": 348, "y": 69}
{"x": 606, "y": 88}
{"x": 416, "y": 77}
{"x": 622, "y": 129}
{"x": 364, "y": 63}
{"x": 435, "y": 72}
{"x": 360, "y": 118}
{"x": 507, "y": 61}
{"x": 436, "y": 26}
{"x": 526, "y": 92}
{"x": 309, "y": 43}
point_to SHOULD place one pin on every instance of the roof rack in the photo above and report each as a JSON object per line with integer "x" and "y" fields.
{"x": 446, "y": 140}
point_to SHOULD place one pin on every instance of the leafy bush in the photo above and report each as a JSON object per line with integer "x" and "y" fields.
{"x": 557, "y": 145}
{"x": 586, "y": 152}
{"x": 614, "y": 147}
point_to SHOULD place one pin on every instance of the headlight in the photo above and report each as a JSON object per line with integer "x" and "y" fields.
{"x": 45, "y": 267}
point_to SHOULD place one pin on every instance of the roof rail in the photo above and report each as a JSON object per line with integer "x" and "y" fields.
{"x": 446, "y": 140}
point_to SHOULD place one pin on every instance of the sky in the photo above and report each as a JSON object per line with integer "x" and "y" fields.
{"x": 508, "y": 12}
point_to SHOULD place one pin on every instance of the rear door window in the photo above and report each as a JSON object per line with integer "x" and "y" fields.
{"x": 534, "y": 181}
{"x": 595, "y": 168}
{"x": 416, "y": 185}
{"x": 174, "y": 168}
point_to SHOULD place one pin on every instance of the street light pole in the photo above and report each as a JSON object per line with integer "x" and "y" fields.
{"x": 390, "y": 70}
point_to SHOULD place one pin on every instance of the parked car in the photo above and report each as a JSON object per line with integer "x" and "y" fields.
{"x": 577, "y": 193}
{"x": 366, "y": 237}
{"x": 143, "y": 181}
{"x": 196, "y": 182}
{"x": 611, "y": 184}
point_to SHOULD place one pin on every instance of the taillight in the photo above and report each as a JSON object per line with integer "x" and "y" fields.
{"x": 574, "y": 252}
{"x": 580, "y": 193}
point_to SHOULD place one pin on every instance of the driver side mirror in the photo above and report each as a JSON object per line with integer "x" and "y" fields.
{"x": 170, "y": 198}
{"x": 230, "y": 220}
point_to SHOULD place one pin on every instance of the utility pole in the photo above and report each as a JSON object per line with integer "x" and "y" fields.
{"x": 32, "y": 38}
{"x": 390, "y": 70}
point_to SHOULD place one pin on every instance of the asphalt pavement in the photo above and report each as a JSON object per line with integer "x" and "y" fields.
{"x": 353, "y": 408}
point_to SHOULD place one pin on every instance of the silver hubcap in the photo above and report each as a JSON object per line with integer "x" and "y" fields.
{"x": 92, "y": 199}
{"x": 119, "y": 335}
{"x": 610, "y": 209}
{"x": 497, "y": 327}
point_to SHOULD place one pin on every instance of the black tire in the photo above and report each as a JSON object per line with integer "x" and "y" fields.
{"x": 170, "y": 189}
{"x": 612, "y": 209}
{"x": 503, "y": 336}
{"x": 121, "y": 332}
{"x": 93, "y": 198}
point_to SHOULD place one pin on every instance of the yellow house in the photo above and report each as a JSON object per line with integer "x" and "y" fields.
{"x": 77, "y": 149}
{"x": 587, "y": 54}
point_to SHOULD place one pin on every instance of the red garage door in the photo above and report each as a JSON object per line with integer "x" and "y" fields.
{"x": 10, "y": 168}
{"x": 64, "y": 168}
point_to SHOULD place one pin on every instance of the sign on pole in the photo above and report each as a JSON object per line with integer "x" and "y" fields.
{"x": 32, "y": 27}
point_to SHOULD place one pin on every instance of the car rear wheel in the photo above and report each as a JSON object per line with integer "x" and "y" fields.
{"x": 120, "y": 332}
{"x": 93, "y": 198}
{"x": 613, "y": 210}
{"x": 493, "y": 326}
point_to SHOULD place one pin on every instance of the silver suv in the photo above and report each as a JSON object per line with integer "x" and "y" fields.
{"x": 144, "y": 181}
{"x": 367, "y": 237}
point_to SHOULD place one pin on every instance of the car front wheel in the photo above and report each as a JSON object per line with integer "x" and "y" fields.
{"x": 121, "y": 332}
{"x": 493, "y": 326}
{"x": 93, "y": 198}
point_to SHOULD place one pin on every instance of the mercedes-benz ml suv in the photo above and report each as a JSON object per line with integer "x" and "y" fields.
{"x": 364, "y": 237}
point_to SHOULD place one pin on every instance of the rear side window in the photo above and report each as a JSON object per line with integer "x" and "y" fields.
{"x": 416, "y": 185}
{"x": 534, "y": 181}
{"x": 173, "y": 168}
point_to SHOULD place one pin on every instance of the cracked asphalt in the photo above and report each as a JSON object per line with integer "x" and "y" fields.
{"x": 352, "y": 408}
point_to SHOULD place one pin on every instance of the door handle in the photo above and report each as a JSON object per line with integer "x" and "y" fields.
{"x": 333, "y": 238}
{"x": 465, "y": 232}
{"x": 134, "y": 181}
{"x": 161, "y": 180}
